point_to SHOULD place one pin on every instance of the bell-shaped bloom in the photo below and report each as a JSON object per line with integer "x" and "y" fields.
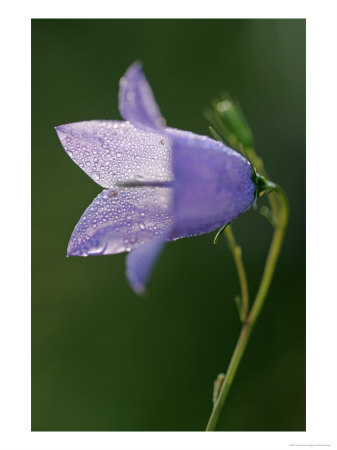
{"x": 160, "y": 183}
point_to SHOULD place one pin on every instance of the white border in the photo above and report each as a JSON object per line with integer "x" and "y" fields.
{"x": 321, "y": 225}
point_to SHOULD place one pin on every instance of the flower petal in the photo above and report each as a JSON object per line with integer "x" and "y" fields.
{"x": 140, "y": 262}
{"x": 119, "y": 220}
{"x": 213, "y": 183}
{"x": 137, "y": 103}
{"x": 114, "y": 151}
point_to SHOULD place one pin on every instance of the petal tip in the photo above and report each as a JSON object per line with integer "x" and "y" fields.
{"x": 139, "y": 289}
{"x": 132, "y": 71}
{"x": 73, "y": 251}
{"x": 137, "y": 103}
{"x": 61, "y": 131}
{"x": 140, "y": 262}
{"x": 135, "y": 67}
{"x": 59, "y": 128}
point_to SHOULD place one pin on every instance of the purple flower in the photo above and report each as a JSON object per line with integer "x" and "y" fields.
{"x": 160, "y": 183}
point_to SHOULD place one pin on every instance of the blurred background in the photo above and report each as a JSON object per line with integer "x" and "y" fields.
{"x": 104, "y": 359}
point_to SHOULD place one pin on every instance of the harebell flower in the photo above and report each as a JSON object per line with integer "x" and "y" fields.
{"x": 162, "y": 184}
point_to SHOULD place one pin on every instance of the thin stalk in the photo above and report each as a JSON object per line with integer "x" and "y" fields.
{"x": 237, "y": 256}
{"x": 272, "y": 257}
{"x": 273, "y": 254}
{"x": 230, "y": 374}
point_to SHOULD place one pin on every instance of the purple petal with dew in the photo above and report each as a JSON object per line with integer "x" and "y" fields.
{"x": 140, "y": 262}
{"x": 119, "y": 220}
{"x": 137, "y": 103}
{"x": 112, "y": 152}
{"x": 213, "y": 183}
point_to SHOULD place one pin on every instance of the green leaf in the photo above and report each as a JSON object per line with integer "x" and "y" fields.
{"x": 217, "y": 386}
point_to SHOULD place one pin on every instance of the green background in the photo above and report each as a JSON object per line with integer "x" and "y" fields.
{"x": 104, "y": 359}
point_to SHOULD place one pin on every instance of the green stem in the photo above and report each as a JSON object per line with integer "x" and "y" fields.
{"x": 237, "y": 256}
{"x": 273, "y": 254}
{"x": 272, "y": 257}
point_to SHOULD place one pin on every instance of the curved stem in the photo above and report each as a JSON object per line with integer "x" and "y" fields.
{"x": 275, "y": 247}
{"x": 272, "y": 256}
{"x": 237, "y": 256}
